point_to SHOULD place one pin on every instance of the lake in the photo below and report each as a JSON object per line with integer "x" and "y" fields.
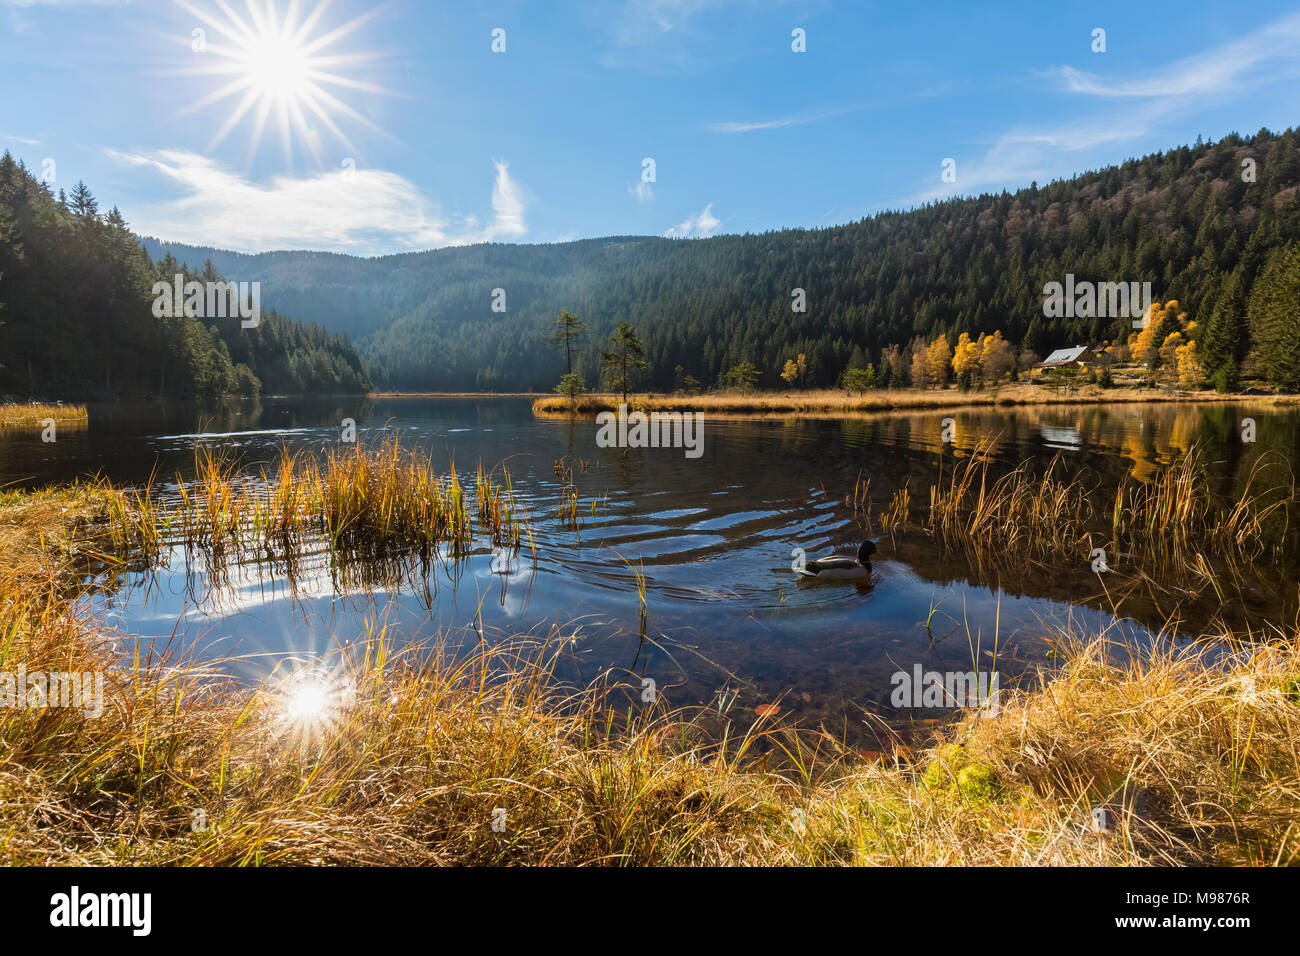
{"x": 715, "y": 537}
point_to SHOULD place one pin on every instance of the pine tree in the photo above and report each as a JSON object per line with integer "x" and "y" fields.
{"x": 83, "y": 204}
{"x": 567, "y": 329}
{"x": 1221, "y": 342}
{"x": 1274, "y": 319}
{"x": 623, "y": 360}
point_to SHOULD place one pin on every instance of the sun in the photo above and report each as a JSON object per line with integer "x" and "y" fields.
{"x": 308, "y": 702}
{"x": 279, "y": 68}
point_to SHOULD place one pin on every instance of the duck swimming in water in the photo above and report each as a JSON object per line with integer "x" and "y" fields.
{"x": 840, "y": 567}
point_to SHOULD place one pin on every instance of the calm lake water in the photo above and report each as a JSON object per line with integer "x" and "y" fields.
{"x": 715, "y": 537}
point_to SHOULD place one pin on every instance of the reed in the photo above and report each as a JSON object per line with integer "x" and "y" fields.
{"x": 35, "y": 414}
{"x": 860, "y": 502}
{"x": 894, "y": 519}
{"x": 568, "y": 508}
{"x": 357, "y": 498}
{"x": 1172, "y": 522}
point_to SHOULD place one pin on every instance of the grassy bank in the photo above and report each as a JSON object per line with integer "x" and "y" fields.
{"x": 830, "y": 401}
{"x": 411, "y": 759}
{"x": 37, "y": 414}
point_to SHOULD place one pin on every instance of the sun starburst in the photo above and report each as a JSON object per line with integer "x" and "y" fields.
{"x": 308, "y": 702}
{"x": 280, "y": 67}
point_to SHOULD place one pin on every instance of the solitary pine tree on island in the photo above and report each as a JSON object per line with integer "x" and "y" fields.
{"x": 567, "y": 328}
{"x": 626, "y": 357}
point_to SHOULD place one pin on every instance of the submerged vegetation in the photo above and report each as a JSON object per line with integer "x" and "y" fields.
{"x": 1119, "y": 755}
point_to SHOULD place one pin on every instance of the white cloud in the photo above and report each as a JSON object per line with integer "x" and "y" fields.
{"x": 1214, "y": 71}
{"x": 361, "y": 211}
{"x": 1042, "y": 153}
{"x": 751, "y": 127}
{"x": 507, "y": 205}
{"x": 642, "y": 192}
{"x": 1021, "y": 155}
{"x": 780, "y": 123}
{"x": 695, "y": 227}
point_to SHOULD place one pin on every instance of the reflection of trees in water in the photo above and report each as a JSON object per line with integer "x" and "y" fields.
{"x": 1146, "y": 435}
{"x": 1252, "y": 602}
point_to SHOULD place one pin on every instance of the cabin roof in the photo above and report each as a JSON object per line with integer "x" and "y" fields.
{"x": 1064, "y": 356}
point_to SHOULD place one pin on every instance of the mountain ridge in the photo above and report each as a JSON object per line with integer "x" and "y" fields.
{"x": 1184, "y": 219}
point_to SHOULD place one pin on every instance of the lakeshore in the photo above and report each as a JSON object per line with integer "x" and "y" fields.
{"x": 838, "y": 402}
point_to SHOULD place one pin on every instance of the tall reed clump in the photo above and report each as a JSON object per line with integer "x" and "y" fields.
{"x": 359, "y": 498}
{"x": 36, "y": 414}
{"x": 1172, "y": 522}
{"x": 1016, "y": 510}
{"x": 1177, "y": 514}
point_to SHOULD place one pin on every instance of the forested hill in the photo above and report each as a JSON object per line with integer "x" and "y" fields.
{"x": 78, "y": 314}
{"x": 1192, "y": 221}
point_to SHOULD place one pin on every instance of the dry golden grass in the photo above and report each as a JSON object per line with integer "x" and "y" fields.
{"x": 1195, "y": 763}
{"x": 357, "y": 497}
{"x": 454, "y": 394}
{"x": 833, "y": 401}
{"x": 35, "y": 414}
{"x": 1170, "y": 523}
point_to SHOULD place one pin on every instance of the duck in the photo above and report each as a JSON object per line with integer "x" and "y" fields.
{"x": 840, "y": 567}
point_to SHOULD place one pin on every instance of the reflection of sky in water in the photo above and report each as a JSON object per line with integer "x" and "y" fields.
{"x": 714, "y": 538}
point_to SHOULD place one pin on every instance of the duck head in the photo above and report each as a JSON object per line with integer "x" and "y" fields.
{"x": 866, "y": 551}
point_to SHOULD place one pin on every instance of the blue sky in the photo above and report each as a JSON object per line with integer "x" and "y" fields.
{"x": 406, "y": 131}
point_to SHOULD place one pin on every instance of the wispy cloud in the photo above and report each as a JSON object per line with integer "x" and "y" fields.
{"x": 639, "y": 19}
{"x": 642, "y": 192}
{"x": 1214, "y": 71}
{"x": 1024, "y": 154}
{"x": 695, "y": 227}
{"x": 507, "y": 205}
{"x": 1027, "y": 153}
{"x": 361, "y": 211}
{"x": 673, "y": 33}
{"x": 751, "y": 127}
{"x": 798, "y": 119}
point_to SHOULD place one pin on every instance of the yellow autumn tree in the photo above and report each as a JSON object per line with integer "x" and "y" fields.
{"x": 937, "y": 357}
{"x": 1169, "y": 350}
{"x": 1146, "y": 345}
{"x": 966, "y": 358}
{"x": 920, "y": 363}
{"x": 794, "y": 369}
{"x": 1190, "y": 373}
{"x": 997, "y": 358}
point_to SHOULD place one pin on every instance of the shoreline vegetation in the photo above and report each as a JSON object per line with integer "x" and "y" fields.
{"x": 1192, "y": 760}
{"x": 838, "y": 402}
{"x": 456, "y": 394}
{"x": 36, "y": 414}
